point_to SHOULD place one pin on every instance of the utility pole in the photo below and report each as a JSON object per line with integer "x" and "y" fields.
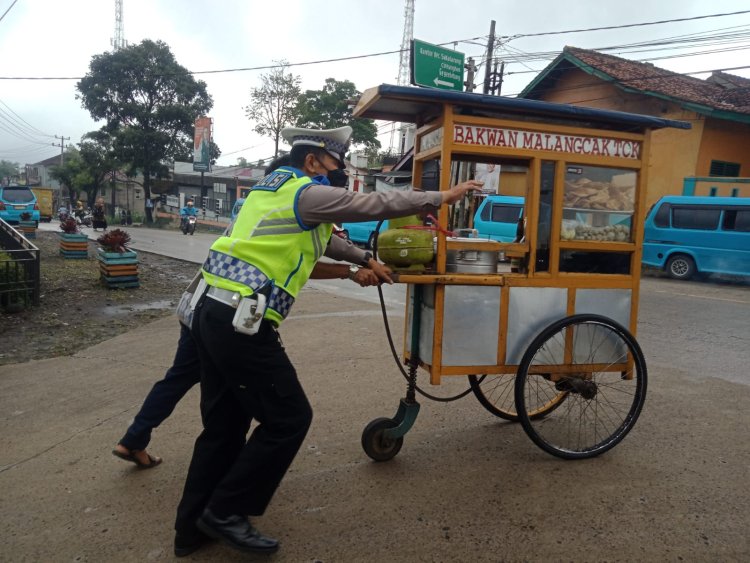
{"x": 471, "y": 68}
{"x": 496, "y": 80}
{"x": 488, "y": 59}
{"x": 61, "y": 144}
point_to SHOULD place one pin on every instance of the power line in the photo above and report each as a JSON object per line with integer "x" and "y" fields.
{"x": 626, "y": 82}
{"x": 517, "y": 36}
{"x": 356, "y": 57}
{"x": 12, "y": 129}
{"x": 17, "y": 129}
{"x": 8, "y": 10}
{"x": 38, "y": 131}
{"x": 244, "y": 69}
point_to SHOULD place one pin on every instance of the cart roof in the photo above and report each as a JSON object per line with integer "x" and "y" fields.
{"x": 408, "y": 104}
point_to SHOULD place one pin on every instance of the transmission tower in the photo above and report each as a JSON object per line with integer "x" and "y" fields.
{"x": 404, "y": 72}
{"x": 403, "y": 66}
{"x": 118, "y": 41}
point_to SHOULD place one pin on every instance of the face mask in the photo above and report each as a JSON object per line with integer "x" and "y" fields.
{"x": 338, "y": 178}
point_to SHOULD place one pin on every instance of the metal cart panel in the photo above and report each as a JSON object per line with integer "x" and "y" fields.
{"x": 475, "y": 311}
{"x": 530, "y": 310}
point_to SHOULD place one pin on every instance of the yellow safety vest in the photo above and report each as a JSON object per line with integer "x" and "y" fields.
{"x": 270, "y": 248}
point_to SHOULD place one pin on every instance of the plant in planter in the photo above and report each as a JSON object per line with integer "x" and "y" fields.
{"x": 26, "y": 225}
{"x": 118, "y": 266}
{"x": 73, "y": 244}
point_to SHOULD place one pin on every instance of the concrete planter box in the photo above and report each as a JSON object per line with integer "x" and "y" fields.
{"x": 118, "y": 269}
{"x": 74, "y": 246}
{"x": 27, "y": 228}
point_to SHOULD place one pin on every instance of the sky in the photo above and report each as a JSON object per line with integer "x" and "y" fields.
{"x": 53, "y": 39}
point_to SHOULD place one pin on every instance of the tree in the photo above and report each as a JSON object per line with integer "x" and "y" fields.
{"x": 331, "y": 107}
{"x": 273, "y": 105}
{"x": 70, "y": 174}
{"x": 8, "y": 170}
{"x": 149, "y": 103}
{"x": 98, "y": 160}
{"x": 242, "y": 161}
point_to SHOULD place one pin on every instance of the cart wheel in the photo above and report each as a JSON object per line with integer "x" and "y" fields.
{"x": 495, "y": 393}
{"x": 377, "y": 446}
{"x": 599, "y": 366}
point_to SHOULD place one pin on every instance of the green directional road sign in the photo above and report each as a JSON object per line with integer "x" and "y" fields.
{"x": 436, "y": 67}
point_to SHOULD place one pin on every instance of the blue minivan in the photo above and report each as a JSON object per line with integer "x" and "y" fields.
{"x": 362, "y": 232}
{"x": 497, "y": 217}
{"x": 16, "y": 200}
{"x": 685, "y": 235}
{"x": 236, "y": 208}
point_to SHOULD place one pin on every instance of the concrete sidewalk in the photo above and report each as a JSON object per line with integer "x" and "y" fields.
{"x": 465, "y": 487}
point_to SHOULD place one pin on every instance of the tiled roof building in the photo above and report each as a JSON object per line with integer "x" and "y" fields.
{"x": 717, "y": 107}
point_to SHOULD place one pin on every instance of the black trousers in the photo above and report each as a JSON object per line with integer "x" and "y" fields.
{"x": 166, "y": 393}
{"x": 243, "y": 378}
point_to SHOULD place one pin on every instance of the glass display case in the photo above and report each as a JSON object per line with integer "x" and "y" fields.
{"x": 598, "y": 204}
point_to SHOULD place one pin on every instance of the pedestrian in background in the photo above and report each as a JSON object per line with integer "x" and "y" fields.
{"x": 98, "y": 216}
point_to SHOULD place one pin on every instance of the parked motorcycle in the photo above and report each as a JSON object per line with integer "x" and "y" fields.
{"x": 188, "y": 224}
{"x": 84, "y": 219}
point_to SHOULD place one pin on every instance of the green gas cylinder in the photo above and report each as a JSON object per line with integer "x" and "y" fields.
{"x": 405, "y": 249}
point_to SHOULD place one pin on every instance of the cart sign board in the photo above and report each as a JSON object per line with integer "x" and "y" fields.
{"x": 541, "y": 141}
{"x": 436, "y": 67}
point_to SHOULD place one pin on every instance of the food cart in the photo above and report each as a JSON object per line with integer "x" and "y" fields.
{"x": 548, "y": 342}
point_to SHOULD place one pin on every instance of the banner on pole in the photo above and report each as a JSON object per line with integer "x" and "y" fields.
{"x": 202, "y": 145}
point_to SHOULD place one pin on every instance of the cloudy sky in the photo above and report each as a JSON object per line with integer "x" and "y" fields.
{"x": 54, "y": 38}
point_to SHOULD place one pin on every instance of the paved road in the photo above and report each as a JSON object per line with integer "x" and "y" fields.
{"x": 699, "y": 328}
{"x": 465, "y": 487}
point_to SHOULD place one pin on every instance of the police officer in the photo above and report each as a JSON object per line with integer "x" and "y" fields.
{"x": 283, "y": 229}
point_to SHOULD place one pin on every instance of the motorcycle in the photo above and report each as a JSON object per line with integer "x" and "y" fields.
{"x": 84, "y": 218}
{"x": 188, "y": 224}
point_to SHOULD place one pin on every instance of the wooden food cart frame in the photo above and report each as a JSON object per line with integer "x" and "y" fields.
{"x": 551, "y": 140}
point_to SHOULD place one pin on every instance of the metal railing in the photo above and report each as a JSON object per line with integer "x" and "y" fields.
{"x": 20, "y": 271}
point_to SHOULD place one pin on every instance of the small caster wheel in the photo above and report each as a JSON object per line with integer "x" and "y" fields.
{"x": 377, "y": 446}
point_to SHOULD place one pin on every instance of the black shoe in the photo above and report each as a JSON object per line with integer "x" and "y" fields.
{"x": 185, "y": 544}
{"x": 236, "y": 532}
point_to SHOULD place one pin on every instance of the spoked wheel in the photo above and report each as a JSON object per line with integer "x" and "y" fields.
{"x": 495, "y": 393}
{"x": 376, "y": 445}
{"x": 600, "y": 368}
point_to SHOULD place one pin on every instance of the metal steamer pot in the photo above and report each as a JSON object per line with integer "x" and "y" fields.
{"x": 481, "y": 258}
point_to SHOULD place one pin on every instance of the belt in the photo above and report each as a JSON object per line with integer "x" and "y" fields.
{"x": 231, "y": 298}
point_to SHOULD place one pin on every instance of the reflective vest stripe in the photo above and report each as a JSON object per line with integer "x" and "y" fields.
{"x": 237, "y": 270}
{"x": 277, "y": 231}
{"x": 273, "y": 222}
{"x": 316, "y": 245}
